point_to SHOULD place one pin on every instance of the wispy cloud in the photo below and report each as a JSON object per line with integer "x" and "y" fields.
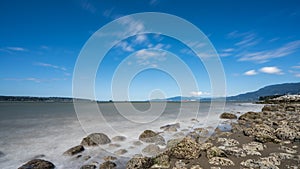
{"x": 16, "y": 49}
{"x": 149, "y": 57}
{"x": 88, "y": 6}
{"x": 271, "y": 70}
{"x": 33, "y": 79}
{"x": 125, "y": 46}
{"x": 251, "y": 73}
{"x": 50, "y": 65}
{"x": 153, "y": 2}
{"x": 267, "y": 55}
{"x": 199, "y": 93}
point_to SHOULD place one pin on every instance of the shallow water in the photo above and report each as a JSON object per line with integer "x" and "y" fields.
{"x": 29, "y": 130}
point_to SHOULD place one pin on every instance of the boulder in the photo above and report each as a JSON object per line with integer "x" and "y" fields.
{"x": 88, "y": 167}
{"x": 38, "y": 164}
{"x": 186, "y": 149}
{"x": 151, "y": 150}
{"x": 215, "y": 152}
{"x": 74, "y": 150}
{"x": 286, "y": 133}
{"x": 108, "y": 165}
{"x": 234, "y": 151}
{"x": 120, "y": 152}
{"x": 171, "y": 127}
{"x": 249, "y": 116}
{"x": 95, "y": 139}
{"x": 119, "y": 138}
{"x": 228, "y": 142}
{"x": 221, "y": 161}
{"x": 228, "y": 116}
{"x": 139, "y": 163}
{"x": 150, "y": 136}
{"x": 161, "y": 161}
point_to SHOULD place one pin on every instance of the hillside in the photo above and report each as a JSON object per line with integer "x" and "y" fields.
{"x": 278, "y": 89}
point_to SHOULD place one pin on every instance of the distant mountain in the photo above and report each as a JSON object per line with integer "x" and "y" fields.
{"x": 278, "y": 89}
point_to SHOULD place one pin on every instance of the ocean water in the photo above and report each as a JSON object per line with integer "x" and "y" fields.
{"x": 46, "y": 130}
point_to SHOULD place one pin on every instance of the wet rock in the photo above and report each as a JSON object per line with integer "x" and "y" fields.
{"x": 120, "y": 152}
{"x": 109, "y": 158}
{"x": 95, "y": 139}
{"x": 215, "y": 152}
{"x": 139, "y": 163}
{"x": 249, "y": 116}
{"x": 88, "y": 167}
{"x": 171, "y": 127}
{"x": 161, "y": 161}
{"x": 173, "y": 142}
{"x": 151, "y": 150}
{"x": 272, "y": 107}
{"x": 228, "y": 116}
{"x": 186, "y": 149}
{"x": 114, "y": 145}
{"x": 252, "y": 148}
{"x": 118, "y": 138}
{"x": 205, "y": 146}
{"x": 137, "y": 143}
{"x": 196, "y": 167}
{"x": 38, "y": 164}
{"x": 74, "y": 150}
{"x": 288, "y": 150}
{"x": 179, "y": 165}
{"x": 286, "y": 133}
{"x": 235, "y": 151}
{"x": 150, "y": 136}
{"x": 250, "y": 163}
{"x": 221, "y": 161}
{"x": 108, "y": 165}
{"x": 228, "y": 142}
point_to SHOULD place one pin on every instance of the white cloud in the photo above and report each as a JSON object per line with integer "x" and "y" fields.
{"x": 296, "y": 67}
{"x": 140, "y": 38}
{"x": 250, "y": 73}
{"x": 88, "y": 6}
{"x": 149, "y": 57}
{"x": 125, "y": 46}
{"x": 33, "y": 79}
{"x": 20, "y": 49}
{"x": 199, "y": 93}
{"x": 266, "y": 55}
{"x": 271, "y": 70}
{"x": 228, "y": 50}
{"x": 50, "y": 65}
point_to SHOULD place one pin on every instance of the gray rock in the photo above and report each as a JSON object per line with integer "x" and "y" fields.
{"x": 171, "y": 127}
{"x": 186, "y": 149}
{"x": 139, "y": 163}
{"x": 228, "y": 116}
{"x": 161, "y": 161}
{"x": 108, "y": 165}
{"x": 95, "y": 139}
{"x": 215, "y": 152}
{"x": 151, "y": 150}
{"x": 120, "y": 152}
{"x": 180, "y": 165}
{"x": 221, "y": 161}
{"x": 228, "y": 142}
{"x": 88, "y": 167}
{"x": 74, "y": 150}
{"x": 119, "y": 138}
{"x": 150, "y": 136}
{"x": 38, "y": 164}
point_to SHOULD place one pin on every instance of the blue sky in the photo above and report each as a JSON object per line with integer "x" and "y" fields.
{"x": 258, "y": 43}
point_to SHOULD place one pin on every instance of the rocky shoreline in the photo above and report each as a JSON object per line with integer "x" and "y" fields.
{"x": 269, "y": 139}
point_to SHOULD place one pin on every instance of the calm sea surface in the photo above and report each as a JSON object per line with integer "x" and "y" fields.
{"x": 46, "y": 130}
